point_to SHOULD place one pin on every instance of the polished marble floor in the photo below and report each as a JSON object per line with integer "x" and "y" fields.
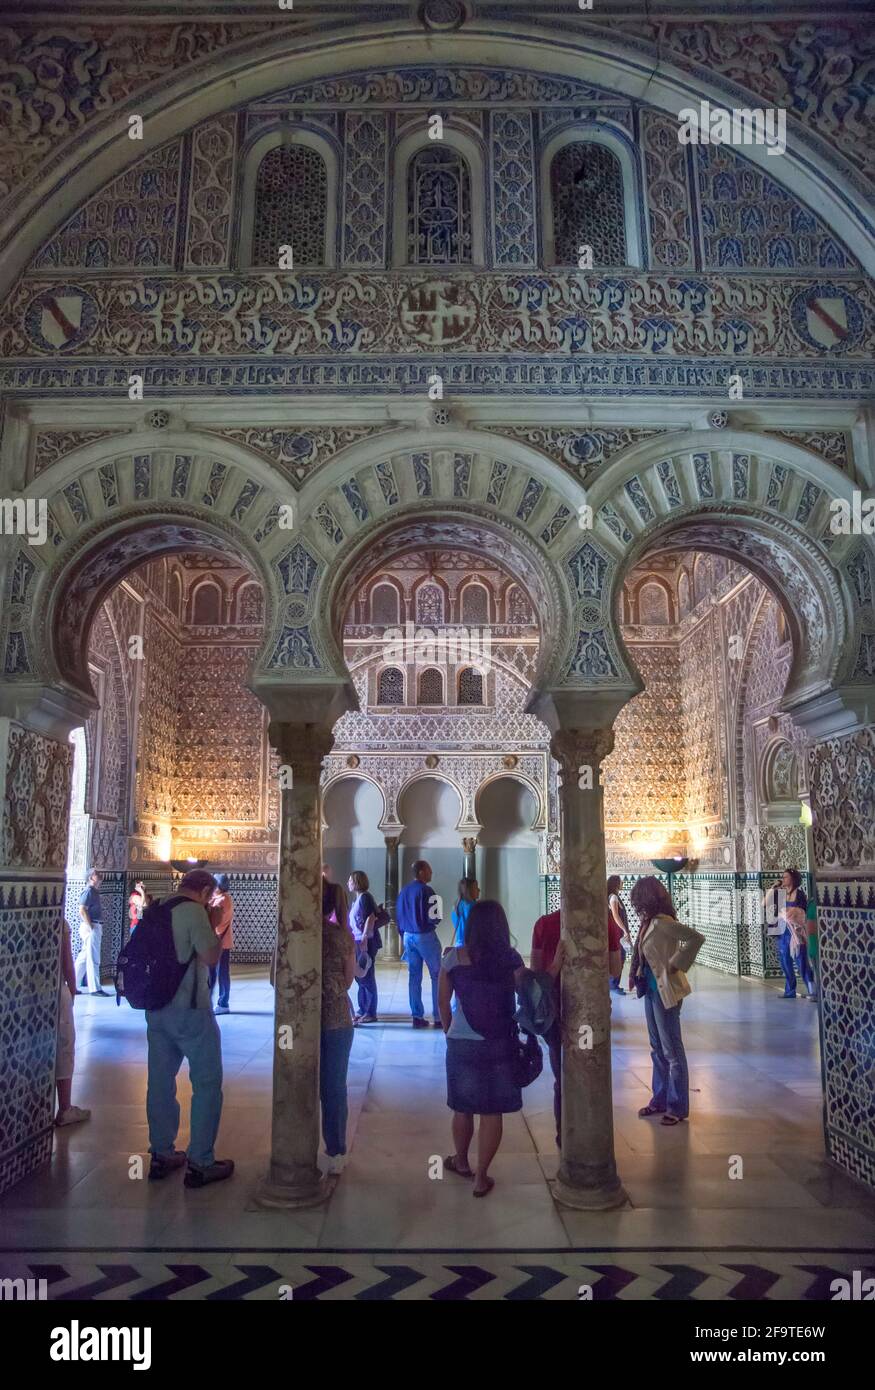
{"x": 754, "y": 1063}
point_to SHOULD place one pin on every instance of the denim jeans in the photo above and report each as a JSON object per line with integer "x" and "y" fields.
{"x": 671, "y": 1081}
{"x": 785, "y": 956}
{"x": 173, "y": 1033}
{"x": 367, "y": 988}
{"x": 222, "y": 973}
{"x": 334, "y": 1049}
{"x": 422, "y": 947}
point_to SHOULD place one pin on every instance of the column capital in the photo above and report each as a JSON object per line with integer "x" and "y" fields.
{"x": 392, "y": 842}
{"x": 469, "y": 843}
{"x": 576, "y": 748}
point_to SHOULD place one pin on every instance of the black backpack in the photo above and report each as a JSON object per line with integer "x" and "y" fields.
{"x": 147, "y": 972}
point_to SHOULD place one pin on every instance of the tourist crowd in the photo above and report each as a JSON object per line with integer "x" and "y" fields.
{"x": 482, "y": 995}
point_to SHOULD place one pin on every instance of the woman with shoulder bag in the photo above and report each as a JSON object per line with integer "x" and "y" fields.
{"x": 483, "y": 1048}
{"x": 664, "y": 950}
{"x": 363, "y": 925}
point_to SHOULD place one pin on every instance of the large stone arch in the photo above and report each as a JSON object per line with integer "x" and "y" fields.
{"x": 258, "y": 66}
{"x": 459, "y": 488}
{"x": 107, "y": 510}
{"x": 752, "y": 499}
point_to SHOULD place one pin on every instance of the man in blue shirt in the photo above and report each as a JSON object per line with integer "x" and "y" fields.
{"x": 90, "y": 934}
{"x": 417, "y": 911}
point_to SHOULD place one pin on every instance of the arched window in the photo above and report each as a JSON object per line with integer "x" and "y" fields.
{"x": 588, "y": 201}
{"x": 470, "y": 687}
{"x": 207, "y": 606}
{"x": 384, "y": 605}
{"x": 290, "y": 206}
{"x": 439, "y": 226}
{"x": 653, "y": 605}
{"x": 429, "y": 604}
{"x": 431, "y": 687}
{"x": 250, "y": 604}
{"x": 390, "y": 689}
{"x": 475, "y": 604}
{"x": 518, "y": 609}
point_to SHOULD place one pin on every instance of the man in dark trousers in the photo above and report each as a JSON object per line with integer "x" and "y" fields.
{"x": 418, "y": 914}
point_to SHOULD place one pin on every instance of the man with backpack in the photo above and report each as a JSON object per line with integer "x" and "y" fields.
{"x": 164, "y": 969}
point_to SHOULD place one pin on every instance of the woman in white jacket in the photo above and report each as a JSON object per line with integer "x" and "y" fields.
{"x": 664, "y": 950}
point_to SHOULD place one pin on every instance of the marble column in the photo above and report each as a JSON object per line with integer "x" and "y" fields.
{"x": 393, "y": 943}
{"x": 469, "y": 845}
{"x": 587, "y": 1174}
{"x": 294, "y": 1179}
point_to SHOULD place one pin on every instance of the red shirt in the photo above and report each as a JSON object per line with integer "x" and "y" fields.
{"x": 545, "y": 937}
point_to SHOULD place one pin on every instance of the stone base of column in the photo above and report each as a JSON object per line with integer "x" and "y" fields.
{"x": 588, "y": 1192}
{"x": 309, "y": 1190}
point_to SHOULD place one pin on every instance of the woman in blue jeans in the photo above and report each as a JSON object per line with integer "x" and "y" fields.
{"x": 664, "y": 948}
{"x": 339, "y": 969}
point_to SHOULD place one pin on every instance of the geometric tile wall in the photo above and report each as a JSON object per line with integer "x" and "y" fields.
{"x": 846, "y": 927}
{"x": 30, "y": 915}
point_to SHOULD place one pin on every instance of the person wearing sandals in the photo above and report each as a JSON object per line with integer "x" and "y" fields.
{"x": 362, "y": 924}
{"x": 477, "y": 1002}
{"x": 664, "y": 949}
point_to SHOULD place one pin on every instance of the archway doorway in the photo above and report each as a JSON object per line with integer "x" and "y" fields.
{"x": 174, "y": 765}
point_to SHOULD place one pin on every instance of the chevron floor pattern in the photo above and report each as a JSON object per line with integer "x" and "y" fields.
{"x": 412, "y": 1276}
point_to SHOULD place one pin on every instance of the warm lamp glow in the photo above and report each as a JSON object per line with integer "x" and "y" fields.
{"x": 163, "y": 846}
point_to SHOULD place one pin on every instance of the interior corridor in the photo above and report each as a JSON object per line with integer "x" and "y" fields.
{"x": 777, "y": 1231}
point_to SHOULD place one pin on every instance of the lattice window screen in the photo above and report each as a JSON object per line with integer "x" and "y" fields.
{"x": 291, "y": 191}
{"x": 475, "y": 604}
{"x": 586, "y": 184}
{"x": 431, "y": 688}
{"x": 429, "y": 604}
{"x": 438, "y": 209}
{"x": 391, "y": 687}
{"x": 470, "y": 687}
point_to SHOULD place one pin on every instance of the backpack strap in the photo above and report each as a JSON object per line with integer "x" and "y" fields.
{"x": 170, "y": 904}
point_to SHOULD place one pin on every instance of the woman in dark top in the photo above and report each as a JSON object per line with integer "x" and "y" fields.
{"x": 481, "y": 977}
{"x": 794, "y": 895}
{"x": 362, "y": 915}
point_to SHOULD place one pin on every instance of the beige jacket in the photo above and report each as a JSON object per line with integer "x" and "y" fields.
{"x": 667, "y": 943}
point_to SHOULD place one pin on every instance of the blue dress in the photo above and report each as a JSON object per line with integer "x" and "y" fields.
{"x": 482, "y": 1043}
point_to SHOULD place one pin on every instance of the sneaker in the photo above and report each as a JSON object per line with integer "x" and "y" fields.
{"x": 367, "y": 1018}
{"x": 420, "y": 1023}
{"x": 74, "y": 1115}
{"x": 334, "y": 1164}
{"x": 437, "y": 1023}
{"x": 162, "y": 1164}
{"x": 217, "y": 1172}
{"x": 222, "y": 1009}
